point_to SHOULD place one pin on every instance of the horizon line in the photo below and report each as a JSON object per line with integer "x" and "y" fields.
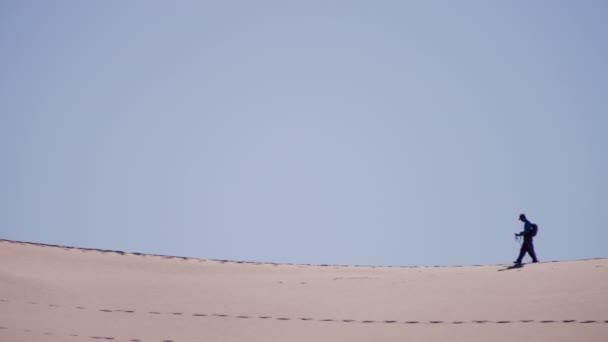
{"x": 224, "y": 261}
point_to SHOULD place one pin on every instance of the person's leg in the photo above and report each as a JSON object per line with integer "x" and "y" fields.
{"x": 531, "y": 251}
{"x": 522, "y": 252}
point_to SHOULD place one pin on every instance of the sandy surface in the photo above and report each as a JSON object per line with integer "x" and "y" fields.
{"x": 51, "y": 293}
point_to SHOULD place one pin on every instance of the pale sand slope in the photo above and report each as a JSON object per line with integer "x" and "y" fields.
{"x": 62, "y": 294}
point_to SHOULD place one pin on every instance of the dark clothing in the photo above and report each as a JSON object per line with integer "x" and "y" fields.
{"x": 527, "y": 247}
{"x": 527, "y": 229}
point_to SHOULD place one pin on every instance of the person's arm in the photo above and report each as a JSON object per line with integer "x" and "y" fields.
{"x": 526, "y": 229}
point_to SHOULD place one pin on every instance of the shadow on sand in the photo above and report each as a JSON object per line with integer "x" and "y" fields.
{"x": 512, "y": 267}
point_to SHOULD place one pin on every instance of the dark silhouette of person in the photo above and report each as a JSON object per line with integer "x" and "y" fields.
{"x": 528, "y": 245}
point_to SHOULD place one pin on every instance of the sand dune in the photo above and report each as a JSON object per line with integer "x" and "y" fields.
{"x": 53, "y": 293}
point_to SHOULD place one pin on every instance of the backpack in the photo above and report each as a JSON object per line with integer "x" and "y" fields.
{"x": 533, "y": 230}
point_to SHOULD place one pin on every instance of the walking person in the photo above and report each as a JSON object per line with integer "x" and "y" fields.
{"x": 527, "y": 245}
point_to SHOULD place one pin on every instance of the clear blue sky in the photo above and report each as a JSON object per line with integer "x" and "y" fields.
{"x": 340, "y": 132}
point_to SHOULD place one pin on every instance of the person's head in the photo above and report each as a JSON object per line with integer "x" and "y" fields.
{"x": 523, "y": 218}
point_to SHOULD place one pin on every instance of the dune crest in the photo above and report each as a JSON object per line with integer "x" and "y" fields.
{"x": 57, "y": 293}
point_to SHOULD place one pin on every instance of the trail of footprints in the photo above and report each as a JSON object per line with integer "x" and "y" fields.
{"x": 104, "y": 310}
{"x": 324, "y": 320}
